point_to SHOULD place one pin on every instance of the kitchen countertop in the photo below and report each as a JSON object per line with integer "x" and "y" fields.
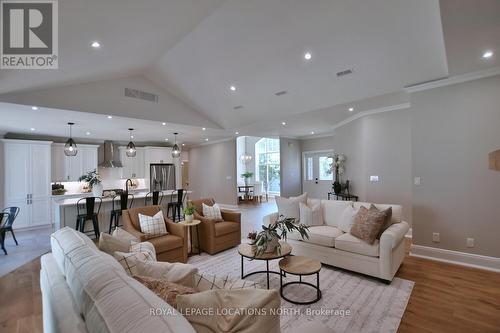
{"x": 88, "y": 194}
{"x": 140, "y": 193}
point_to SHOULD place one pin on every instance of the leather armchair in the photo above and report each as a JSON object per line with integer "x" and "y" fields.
{"x": 216, "y": 236}
{"x": 171, "y": 247}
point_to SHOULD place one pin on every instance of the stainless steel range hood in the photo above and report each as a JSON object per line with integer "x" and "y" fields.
{"x": 111, "y": 156}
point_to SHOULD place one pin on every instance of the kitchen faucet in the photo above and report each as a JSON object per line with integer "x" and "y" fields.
{"x": 126, "y": 184}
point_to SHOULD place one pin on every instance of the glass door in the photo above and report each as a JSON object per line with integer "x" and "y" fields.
{"x": 317, "y": 176}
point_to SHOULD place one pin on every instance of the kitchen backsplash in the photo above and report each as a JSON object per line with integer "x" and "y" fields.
{"x": 76, "y": 187}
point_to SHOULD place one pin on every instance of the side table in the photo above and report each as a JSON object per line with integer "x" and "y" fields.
{"x": 194, "y": 224}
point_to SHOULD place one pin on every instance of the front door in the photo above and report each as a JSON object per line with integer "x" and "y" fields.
{"x": 317, "y": 176}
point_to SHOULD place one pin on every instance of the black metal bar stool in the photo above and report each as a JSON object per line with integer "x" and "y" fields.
{"x": 4, "y": 218}
{"x": 86, "y": 210}
{"x": 178, "y": 204}
{"x": 13, "y": 212}
{"x": 155, "y": 196}
{"x": 125, "y": 201}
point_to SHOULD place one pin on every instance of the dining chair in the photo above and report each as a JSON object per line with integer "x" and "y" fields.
{"x": 12, "y": 212}
{"x": 3, "y": 221}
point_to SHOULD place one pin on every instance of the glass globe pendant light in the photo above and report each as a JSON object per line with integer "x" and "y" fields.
{"x": 131, "y": 150}
{"x": 176, "y": 151}
{"x": 70, "y": 148}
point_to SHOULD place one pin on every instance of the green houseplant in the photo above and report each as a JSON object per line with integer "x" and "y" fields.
{"x": 246, "y": 176}
{"x": 189, "y": 212}
{"x": 267, "y": 240}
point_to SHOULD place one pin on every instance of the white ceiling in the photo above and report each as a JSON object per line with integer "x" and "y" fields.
{"x": 196, "y": 49}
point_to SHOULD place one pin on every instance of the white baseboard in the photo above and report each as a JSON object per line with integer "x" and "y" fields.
{"x": 455, "y": 257}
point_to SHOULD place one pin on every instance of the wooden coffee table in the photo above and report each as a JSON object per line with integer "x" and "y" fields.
{"x": 246, "y": 251}
{"x": 301, "y": 266}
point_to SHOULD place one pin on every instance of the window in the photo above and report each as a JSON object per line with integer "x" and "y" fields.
{"x": 267, "y": 168}
{"x": 309, "y": 168}
{"x": 324, "y": 168}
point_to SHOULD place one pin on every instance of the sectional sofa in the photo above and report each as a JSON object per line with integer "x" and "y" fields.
{"x": 330, "y": 245}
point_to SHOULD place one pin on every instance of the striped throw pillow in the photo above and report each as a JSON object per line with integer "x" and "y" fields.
{"x": 153, "y": 226}
{"x": 212, "y": 212}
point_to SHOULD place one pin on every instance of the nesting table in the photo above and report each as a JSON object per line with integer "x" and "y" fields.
{"x": 301, "y": 266}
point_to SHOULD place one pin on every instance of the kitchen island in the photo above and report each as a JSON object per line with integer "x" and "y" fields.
{"x": 64, "y": 210}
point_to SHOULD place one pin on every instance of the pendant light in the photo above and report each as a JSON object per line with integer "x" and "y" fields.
{"x": 70, "y": 148}
{"x": 176, "y": 151}
{"x": 131, "y": 150}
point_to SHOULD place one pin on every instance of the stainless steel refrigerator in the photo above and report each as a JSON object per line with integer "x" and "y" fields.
{"x": 161, "y": 177}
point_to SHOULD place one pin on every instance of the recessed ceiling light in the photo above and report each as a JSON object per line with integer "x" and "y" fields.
{"x": 166, "y": 139}
{"x": 312, "y": 132}
{"x": 183, "y": 144}
{"x": 32, "y": 129}
{"x": 110, "y": 117}
{"x": 87, "y": 133}
{"x": 307, "y": 56}
{"x": 96, "y": 44}
{"x": 203, "y": 129}
{"x": 164, "y": 124}
{"x": 34, "y": 108}
{"x": 206, "y": 139}
{"x": 283, "y": 123}
{"x": 232, "y": 88}
{"x": 351, "y": 109}
{"x": 487, "y": 54}
{"x": 236, "y": 133}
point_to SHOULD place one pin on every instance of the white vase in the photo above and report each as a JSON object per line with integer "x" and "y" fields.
{"x": 97, "y": 190}
{"x": 272, "y": 245}
{"x": 189, "y": 218}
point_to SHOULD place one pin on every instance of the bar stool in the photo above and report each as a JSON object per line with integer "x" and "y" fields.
{"x": 86, "y": 210}
{"x": 125, "y": 203}
{"x": 156, "y": 196}
{"x": 178, "y": 204}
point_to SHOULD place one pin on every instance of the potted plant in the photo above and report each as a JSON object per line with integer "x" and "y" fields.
{"x": 95, "y": 182}
{"x": 337, "y": 166}
{"x": 246, "y": 176}
{"x": 267, "y": 240}
{"x": 188, "y": 213}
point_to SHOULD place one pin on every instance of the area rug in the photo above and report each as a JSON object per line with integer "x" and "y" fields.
{"x": 350, "y": 302}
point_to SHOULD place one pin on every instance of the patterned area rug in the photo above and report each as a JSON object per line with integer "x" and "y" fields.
{"x": 350, "y": 302}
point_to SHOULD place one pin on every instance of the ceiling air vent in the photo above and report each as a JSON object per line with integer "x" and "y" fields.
{"x": 344, "y": 72}
{"x": 281, "y": 93}
{"x": 237, "y": 107}
{"x": 134, "y": 93}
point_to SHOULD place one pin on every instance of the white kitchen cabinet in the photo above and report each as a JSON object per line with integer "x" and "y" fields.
{"x": 133, "y": 167}
{"x": 27, "y": 174}
{"x": 70, "y": 168}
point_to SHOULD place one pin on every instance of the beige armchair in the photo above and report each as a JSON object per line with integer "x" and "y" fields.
{"x": 217, "y": 236}
{"x": 172, "y": 247}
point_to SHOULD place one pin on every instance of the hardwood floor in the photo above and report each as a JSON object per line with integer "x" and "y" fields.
{"x": 446, "y": 298}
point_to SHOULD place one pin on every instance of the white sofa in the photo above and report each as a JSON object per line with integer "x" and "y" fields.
{"x": 86, "y": 290}
{"x": 328, "y": 244}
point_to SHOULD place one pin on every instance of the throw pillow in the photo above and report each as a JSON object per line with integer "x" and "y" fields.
{"x": 310, "y": 216}
{"x": 173, "y": 272}
{"x": 144, "y": 247}
{"x": 267, "y": 319}
{"x": 153, "y": 226}
{"x": 347, "y": 218}
{"x": 203, "y": 282}
{"x": 164, "y": 289}
{"x": 212, "y": 212}
{"x": 368, "y": 223}
{"x": 387, "y": 222}
{"x": 129, "y": 261}
{"x": 289, "y": 208}
{"x": 124, "y": 235}
{"x": 110, "y": 244}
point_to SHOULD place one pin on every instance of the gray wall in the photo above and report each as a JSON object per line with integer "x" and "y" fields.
{"x": 378, "y": 145}
{"x": 2, "y": 166}
{"x": 453, "y": 130}
{"x": 212, "y": 172}
{"x": 290, "y": 164}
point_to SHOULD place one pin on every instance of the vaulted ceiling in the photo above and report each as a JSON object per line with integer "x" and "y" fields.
{"x": 194, "y": 50}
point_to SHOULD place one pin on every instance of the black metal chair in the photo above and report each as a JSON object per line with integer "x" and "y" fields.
{"x": 178, "y": 204}
{"x": 13, "y": 212}
{"x": 155, "y": 196}
{"x": 86, "y": 210}
{"x": 124, "y": 203}
{"x": 4, "y": 217}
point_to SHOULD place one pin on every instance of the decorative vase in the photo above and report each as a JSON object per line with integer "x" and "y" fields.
{"x": 337, "y": 187}
{"x": 246, "y": 181}
{"x": 272, "y": 245}
{"x": 189, "y": 218}
{"x": 97, "y": 190}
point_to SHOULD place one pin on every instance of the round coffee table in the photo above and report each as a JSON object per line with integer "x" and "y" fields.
{"x": 301, "y": 266}
{"x": 246, "y": 251}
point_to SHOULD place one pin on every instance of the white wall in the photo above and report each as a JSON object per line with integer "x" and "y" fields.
{"x": 290, "y": 165}
{"x": 2, "y": 162}
{"x": 212, "y": 172}
{"x": 453, "y": 130}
